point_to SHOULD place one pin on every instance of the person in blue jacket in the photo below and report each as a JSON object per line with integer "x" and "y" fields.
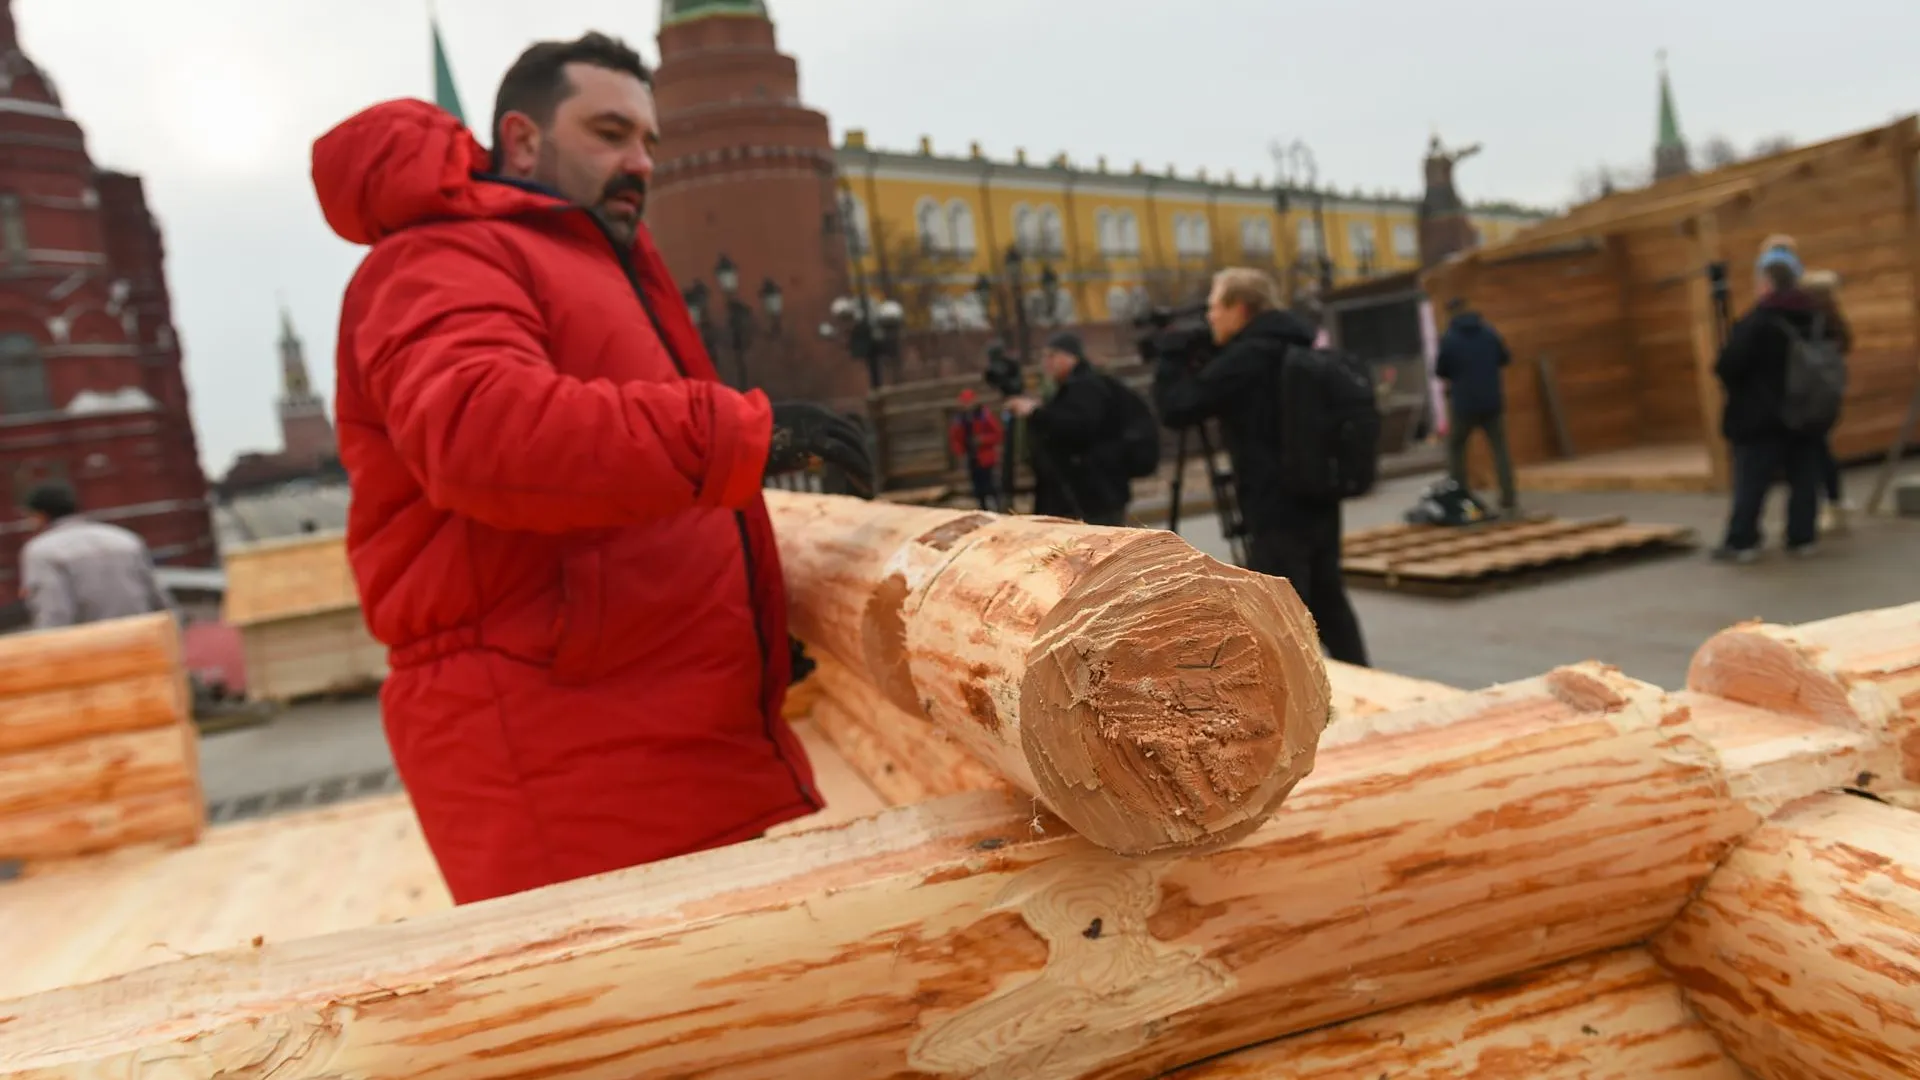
{"x": 1471, "y": 359}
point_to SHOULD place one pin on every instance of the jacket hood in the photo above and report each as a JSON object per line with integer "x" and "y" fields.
{"x": 1279, "y": 326}
{"x": 403, "y": 163}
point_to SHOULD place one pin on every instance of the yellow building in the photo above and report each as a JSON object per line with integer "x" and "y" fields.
{"x": 933, "y": 232}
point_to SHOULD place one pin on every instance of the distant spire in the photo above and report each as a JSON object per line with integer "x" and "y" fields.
{"x": 1669, "y": 150}
{"x": 295, "y": 387}
{"x": 445, "y": 93}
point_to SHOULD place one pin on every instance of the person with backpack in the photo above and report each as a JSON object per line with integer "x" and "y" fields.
{"x": 1090, "y": 440}
{"x": 1303, "y": 431}
{"x": 1824, "y": 287}
{"x": 1784, "y": 373}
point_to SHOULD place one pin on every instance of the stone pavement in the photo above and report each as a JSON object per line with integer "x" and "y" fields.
{"x": 1647, "y": 618}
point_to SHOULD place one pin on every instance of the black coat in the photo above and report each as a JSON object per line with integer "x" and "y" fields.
{"x": 1077, "y": 466}
{"x": 1240, "y": 387}
{"x": 1470, "y": 358}
{"x": 1753, "y": 365}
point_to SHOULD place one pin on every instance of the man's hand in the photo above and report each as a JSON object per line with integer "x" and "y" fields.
{"x": 803, "y": 430}
{"x": 1022, "y": 406}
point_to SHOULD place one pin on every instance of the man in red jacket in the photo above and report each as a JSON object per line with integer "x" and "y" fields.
{"x": 556, "y": 524}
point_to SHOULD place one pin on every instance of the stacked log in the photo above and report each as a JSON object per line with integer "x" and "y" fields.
{"x": 1515, "y": 829}
{"x": 1151, "y": 697}
{"x": 97, "y": 746}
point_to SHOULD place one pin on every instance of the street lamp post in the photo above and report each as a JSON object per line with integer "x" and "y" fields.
{"x": 1295, "y": 162}
{"x": 739, "y": 316}
{"x": 1016, "y": 297}
{"x": 983, "y": 292}
{"x": 1050, "y": 294}
{"x": 774, "y": 303}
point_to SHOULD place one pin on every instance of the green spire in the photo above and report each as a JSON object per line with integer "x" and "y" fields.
{"x": 445, "y": 93}
{"x": 679, "y": 11}
{"x": 1669, "y": 116}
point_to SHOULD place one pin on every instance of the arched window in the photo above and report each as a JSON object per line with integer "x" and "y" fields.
{"x": 1119, "y": 304}
{"x": 932, "y": 227}
{"x": 1256, "y": 236}
{"x": 853, "y": 213}
{"x": 1129, "y": 233}
{"x": 23, "y": 377}
{"x": 1307, "y": 237}
{"x": 1201, "y": 242}
{"x": 1064, "y": 312}
{"x": 1026, "y": 229}
{"x": 960, "y": 228}
{"x": 1104, "y": 226}
{"x": 1053, "y": 238}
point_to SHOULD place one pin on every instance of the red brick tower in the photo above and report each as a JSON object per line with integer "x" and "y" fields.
{"x": 306, "y": 435}
{"x": 747, "y": 171}
{"x": 91, "y": 390}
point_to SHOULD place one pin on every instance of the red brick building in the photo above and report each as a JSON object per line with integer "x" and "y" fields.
{"x": 748, "y": 172}
{"x": 91, "y": 389}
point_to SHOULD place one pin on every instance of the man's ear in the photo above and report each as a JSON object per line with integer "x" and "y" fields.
{"x": 518, "y": 145}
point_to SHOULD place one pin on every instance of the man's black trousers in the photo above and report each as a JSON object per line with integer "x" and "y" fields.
{"x": 1306, "y": 551}
{"x": 1756, "y": 464}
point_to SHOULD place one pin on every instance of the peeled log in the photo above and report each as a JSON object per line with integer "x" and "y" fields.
{"x": 1803, "y": 951}
{"x": 1859, "y": 671}
{"x": 1614, "y": 1016}
{"x": 903, "y": 755}
{"x": 51, "y": 717}
{"x": 101, "y": 652}
{"x": 1152, "y": 697}
{"x": 1513, "y": 829}
{"x": 166, "y": 816}
{"x": 95, "y": 770}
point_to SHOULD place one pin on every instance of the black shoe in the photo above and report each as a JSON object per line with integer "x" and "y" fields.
{"x": 1742, "y": 556}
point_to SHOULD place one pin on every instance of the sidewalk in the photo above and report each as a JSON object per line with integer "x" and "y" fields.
{"x": 1152, "y": 498}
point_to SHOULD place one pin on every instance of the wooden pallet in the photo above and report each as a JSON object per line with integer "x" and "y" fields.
{"x": 1441, "y": 560}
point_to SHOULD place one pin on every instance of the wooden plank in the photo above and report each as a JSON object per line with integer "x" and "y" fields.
{"x": 1513, "y": 829}
{"x": 1073, "y": 659}
{"x": 171, "y": 815}
{"x": 1545, "y": 552}
{"x": 1445, "y": 547}
{"x": 288, "y": 578}
{"x": 1801, "y": 952}
{"x": 1614, "y": 1016}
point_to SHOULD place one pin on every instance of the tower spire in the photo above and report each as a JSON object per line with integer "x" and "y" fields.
{"x": 445, "y": 93}
{"x": 1669, "y": 149}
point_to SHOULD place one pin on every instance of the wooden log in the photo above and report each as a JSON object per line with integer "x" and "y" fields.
{"x": 167, "y": 816}
{"x": 50, "y": 716}
{"x": 1464, "y": 841}
{"x": 1613, "y": 1016}
{"x": 1858, "y": 671}
{"x": 905, "y": 756}
{"x": 1803, "y": 951}
{"x": 99, "y": 652}
{"x": 1359, "y": 691}
{"x": 98, "y": 770}
{"x": 1152, "y": 697}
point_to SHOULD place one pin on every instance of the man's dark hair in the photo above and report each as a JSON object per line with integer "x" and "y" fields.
{"x": 1781, "y": 275}
{"x": 537, "y": 82}
{"x": 54, "y": 499}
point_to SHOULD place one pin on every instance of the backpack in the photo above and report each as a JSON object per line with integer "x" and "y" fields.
{"x": 1139, "y": 432}
{"x": 1329, "y": 425}
{"x": 1816, "y": 378}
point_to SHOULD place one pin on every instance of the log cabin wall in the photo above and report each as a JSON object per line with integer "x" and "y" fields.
{"x": 1661, "y": 262}
{"x": 97, "y": 745}
{"x": 1851, "y": 212}
{"x": 1568, "y": 305}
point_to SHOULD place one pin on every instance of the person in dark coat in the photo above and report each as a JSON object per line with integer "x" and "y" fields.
{"x": 1078, "y": 471}
{"x": 1752, "y": 368}
{"x": 1824, "y": 287}
{"x": 974, "y": 437}
{"x": 1471, "y": 357}
{"x": 1294, "y": 538}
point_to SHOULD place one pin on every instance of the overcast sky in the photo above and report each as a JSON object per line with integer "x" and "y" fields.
{"x": 217, "y": 102}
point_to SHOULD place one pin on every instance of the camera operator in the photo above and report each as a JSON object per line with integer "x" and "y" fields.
{"x": 1078, "y": 466}
{"x": 1291, "y": 537}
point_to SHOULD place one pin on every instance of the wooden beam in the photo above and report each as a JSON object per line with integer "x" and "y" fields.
{"x": 1612, "y": 1016}
{"x": 1152, "y": 697}
{"x": 1803, "y": 951}
{"x": 1433, "y": 850}
{"x": 100, "y": 652}
{"x": 903, "y": 755}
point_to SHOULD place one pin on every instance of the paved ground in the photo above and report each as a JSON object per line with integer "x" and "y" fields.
{"x": 1645, "y": 617}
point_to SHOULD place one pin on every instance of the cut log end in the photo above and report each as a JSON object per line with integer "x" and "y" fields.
{"x": 1155, "y": 726}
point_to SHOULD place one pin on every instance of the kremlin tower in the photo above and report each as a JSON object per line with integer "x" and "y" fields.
{"x": 748, "y": 174}
{"x": 91, "y": 389}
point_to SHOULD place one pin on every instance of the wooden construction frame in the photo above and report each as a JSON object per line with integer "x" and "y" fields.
{"x": 1616, "y": 291}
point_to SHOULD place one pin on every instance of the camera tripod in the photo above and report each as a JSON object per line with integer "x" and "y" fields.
{"x": 1225, "y": 503}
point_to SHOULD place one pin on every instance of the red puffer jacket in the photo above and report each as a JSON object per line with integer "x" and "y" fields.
{"x": 556, "y": 525}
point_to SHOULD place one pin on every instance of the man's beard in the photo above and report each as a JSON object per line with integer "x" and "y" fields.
{"x": 621, "y": 228}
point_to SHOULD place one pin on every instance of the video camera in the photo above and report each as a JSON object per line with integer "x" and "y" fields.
{"x": 1181, "y": 333}
{"x": 1003, "y": 372}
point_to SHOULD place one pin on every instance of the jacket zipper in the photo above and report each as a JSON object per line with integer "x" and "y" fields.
{"x": 739, "y": 519}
